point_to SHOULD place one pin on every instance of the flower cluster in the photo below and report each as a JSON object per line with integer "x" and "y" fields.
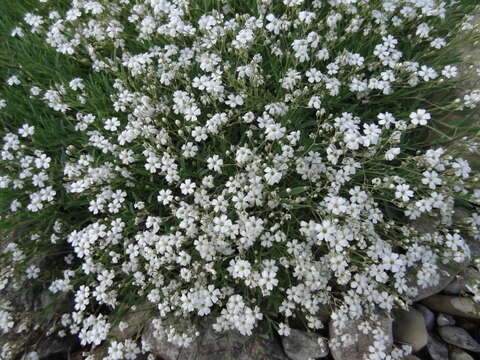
{"x": 244, "y": 161}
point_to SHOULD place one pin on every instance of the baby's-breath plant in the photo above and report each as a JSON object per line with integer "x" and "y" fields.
{"x": 243, "y": 160}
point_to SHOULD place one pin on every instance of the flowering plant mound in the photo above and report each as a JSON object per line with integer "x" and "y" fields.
{"x": 246, "y": 160}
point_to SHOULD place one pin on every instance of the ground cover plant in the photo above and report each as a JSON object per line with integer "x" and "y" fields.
{"x": 251, "y": 161}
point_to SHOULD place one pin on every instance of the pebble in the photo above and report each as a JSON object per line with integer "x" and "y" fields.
{"x": 458, "y": 354}
{"x": 436, "y": 348}
{"x": 459, "y": 337}
{"x": 453, "y": 305}
{"x": 300, "y": 345}
{"x": 445, "y": 320}
{"x": 428, "y": 316}
{"x": 409, "y": 328}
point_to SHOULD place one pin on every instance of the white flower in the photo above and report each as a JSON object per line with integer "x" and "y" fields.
{"x": 438, "y": 43}
{"x": 112, "y": 124}
{"x": 450, "y": 71}
{"x": 315, "y": 102}
{"x": 26, "y": 130}
{"x": 292, "y": 3}
{"x": 32, "y": 272}
{"x": 431, "y": 179}
{"x": 243, "y": 38}
{"x": 420, "y": 117}
{"x": 272, "y": 176}
{"x": 187, "y": 187}
{"x": 403, "y": 192}
{"x": 13, "y": 80}
{"x": 234, "y": 100}
{"x": 427, "y": 73}
{"x": 215, "y": 163}
{"x": 274, "y": 131}
{"x": 283, "y": 329}
{"x": 392, "y": 153}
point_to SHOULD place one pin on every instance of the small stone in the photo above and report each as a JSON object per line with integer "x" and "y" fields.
{"x": 458, "y": 354}
{"x": 428, "y": 316}
{"x": 437, "y": 349}
{"x": 453, "y": 305}
{"x": 445, "y": 320}
{"x": 459, "y": 337}
{"x": 300, "y": 345}
{"x": 409, "y": 328}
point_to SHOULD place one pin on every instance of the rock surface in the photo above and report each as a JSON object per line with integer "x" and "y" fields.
{"x": 135, "y": 320}
{"x": 453, "y": 305}
{"x": 445, "y": 320}
{"x": 211, "y": 345}
{"x": 436, "y": 348}
{"x": 362, "y": 343}
{"x": 409, "y": 328}
{"x": 458, "y": 354}
{"x": 300, "y": 345}
{"x": 459, "y": 285}
{"x": 447, "y": 272}
{"x": 456, "y": 286}
{"x": 428, "y": 316}
{"x": 459, "y": 337}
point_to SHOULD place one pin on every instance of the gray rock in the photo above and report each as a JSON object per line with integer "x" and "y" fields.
{"x": 445, "y": 279}
{"x": 456, "y": 286}
{"x": 470, "y": 276}
{"x": 135, "y": 319}
{"x": 409, "y": 328}
{"x": 459, "y": 337}
{"x": 445, "y": 320}
{"x": 462, "y": 215}
{"x": 55, "y": 346}
{"x": 211, "y": 345}
{"x": 467, "y": 277}
{"x": 447, "y": 272}
{"x": 362, "y": 341}
{"x": 436, "y": 348}
{"x": 453, "y": 305}
{"x": 300, "y": 345}
{"x": 162, "y": 348}
{"x": 428, "y": 316}
{"x": 255, "y": 349}
{"x": 458, "y": 354}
